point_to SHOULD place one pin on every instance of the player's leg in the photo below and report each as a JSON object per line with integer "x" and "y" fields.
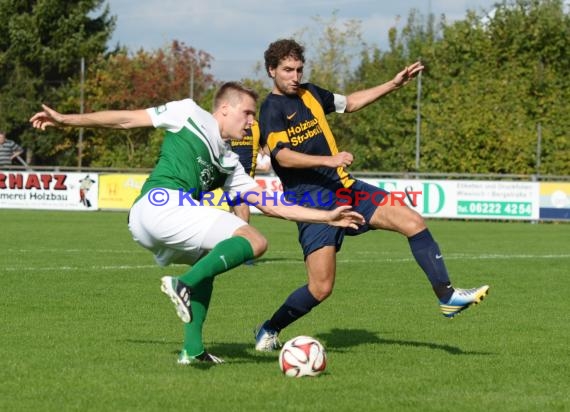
{"x": 242, "y": 211}
{"x": 226, "y": 253}
{"x": 193, "y": 343}
{"x": 228, "y": 241}
{"x": 321, "y": 265}
{"x": 393, "y": 215}
{"x": 227, "y": 247}
{"x": 184, "y": 235}
{"x": 321, "y": 271}
{"x": 320, "y": 244}
{"x": 396, "y": 216}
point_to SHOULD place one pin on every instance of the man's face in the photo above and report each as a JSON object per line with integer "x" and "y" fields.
{"x": 2, "y": 138}
{"x": 287, "y": 76}
{"x": 238, "y": 118}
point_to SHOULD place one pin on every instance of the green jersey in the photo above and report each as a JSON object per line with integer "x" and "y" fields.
{"x": 193, "y": 156}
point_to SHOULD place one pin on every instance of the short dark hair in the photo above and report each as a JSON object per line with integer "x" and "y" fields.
{"x": 281, "y": 49}
{"x": 232, "y": 91}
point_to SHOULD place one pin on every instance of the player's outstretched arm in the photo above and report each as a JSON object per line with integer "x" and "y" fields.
{"x": 362, "y": 98}
{"x": 112, "y": 119}
{"x": 342, "y": 216}
{"x": 406, "y": 75}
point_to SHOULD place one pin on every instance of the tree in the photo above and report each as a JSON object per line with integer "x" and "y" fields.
{"x": 41, "y": 44}
{"x": 490, "y": 82}
{"x": 133, "y": 81}
{"x": 493, "y": 81}
{"x": 382, "y": 135}
{"x": 331, "y": 54}
{"x": 331, "y": 59}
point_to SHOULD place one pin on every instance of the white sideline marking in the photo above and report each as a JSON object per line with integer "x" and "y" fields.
{"x": 78, "y": 268}
{"x": 445, "y": 257}
{"x": 83, "y": 250}
{"x": 43, "y": 268}
{"x": 468, "y": 257}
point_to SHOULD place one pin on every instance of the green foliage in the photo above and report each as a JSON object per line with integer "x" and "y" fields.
{"x": 260, "y": 87}
{"x": 488, "y": 87}
{"x": 41, "y": 45}
{"x": 384, "y": 131}
{"x": 330, "y": 54}
{"x": 490, "y": 83}
{"x": 125, "y": 81}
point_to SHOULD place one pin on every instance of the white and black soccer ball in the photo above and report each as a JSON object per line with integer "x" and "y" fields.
{"x": 302, "y": 356}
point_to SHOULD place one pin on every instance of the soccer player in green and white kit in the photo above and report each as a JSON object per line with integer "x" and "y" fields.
{"x": 168, "y": 219}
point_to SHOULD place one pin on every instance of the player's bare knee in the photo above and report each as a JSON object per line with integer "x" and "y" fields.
{"x": 257, "y": 241}
{"x": 321, "y": 290}
{"x": 323, "y": 293}
{"x": 410, "y": 224}
{"x": 415, "y": 223}
{"x": 259, "y": 246}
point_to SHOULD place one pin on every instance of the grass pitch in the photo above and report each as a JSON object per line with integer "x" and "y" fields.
{"x": 85, "y": 327}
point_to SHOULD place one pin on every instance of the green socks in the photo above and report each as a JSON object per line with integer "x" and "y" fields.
{"x": 224, "y": 256}
{"x": 200, "y": 298}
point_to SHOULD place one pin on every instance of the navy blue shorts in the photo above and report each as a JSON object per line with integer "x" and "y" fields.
{"x": 364, "y": 199}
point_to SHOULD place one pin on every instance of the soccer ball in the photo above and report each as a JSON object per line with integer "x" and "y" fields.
{"x": 302, "y": 356}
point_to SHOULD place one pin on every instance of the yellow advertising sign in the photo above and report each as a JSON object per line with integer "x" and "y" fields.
{"x": 217, "y": 200}
{"x": 554, "y": 201}
{"x": 555, "y": 194}
{"x": 119, "y": 191}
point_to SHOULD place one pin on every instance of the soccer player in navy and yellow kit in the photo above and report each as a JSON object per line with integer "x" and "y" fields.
{"x": 312, "y": 170}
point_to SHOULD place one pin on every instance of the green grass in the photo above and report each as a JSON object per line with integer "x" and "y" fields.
{"x": 85, "y": 327}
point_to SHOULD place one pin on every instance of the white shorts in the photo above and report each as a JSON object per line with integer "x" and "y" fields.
{"x": 177, "y": 233}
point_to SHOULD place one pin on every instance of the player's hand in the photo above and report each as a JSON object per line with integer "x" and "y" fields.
{"x": 45, "y": 118}
{"x": 342, "y": 159}
{"x": 407, "y": 74}
{"x": 343, "y": 216}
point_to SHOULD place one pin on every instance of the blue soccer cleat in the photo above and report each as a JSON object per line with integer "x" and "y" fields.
{"x": 266, "y": 340}
{"x": 462, "y": 299}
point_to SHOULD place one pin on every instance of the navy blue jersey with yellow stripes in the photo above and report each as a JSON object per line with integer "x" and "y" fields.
{"x": 247, "y": 149}
{"x": 299, "y": 123}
